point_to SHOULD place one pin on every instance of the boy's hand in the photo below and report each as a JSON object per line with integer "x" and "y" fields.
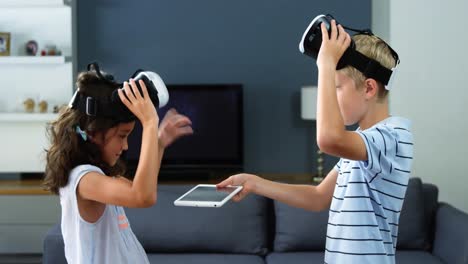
{"x": 247, "y": 181}
{"x": 333, "y": 46}
{"x": 139, "y": 104}
{"x": 172, "y": 127}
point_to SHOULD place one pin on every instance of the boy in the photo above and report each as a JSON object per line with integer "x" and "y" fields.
{"x": 365, "y": 191}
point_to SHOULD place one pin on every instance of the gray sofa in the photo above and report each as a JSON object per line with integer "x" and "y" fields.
{"x": 259, "y": 230}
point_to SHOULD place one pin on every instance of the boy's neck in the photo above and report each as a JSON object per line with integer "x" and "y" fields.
{"x": 376, "y": 113}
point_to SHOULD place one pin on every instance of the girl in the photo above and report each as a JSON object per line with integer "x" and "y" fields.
{"x": 83, "y": 167}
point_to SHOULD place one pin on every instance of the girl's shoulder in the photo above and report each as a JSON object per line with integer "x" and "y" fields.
{"x": 78, "y": 172}
{"x": 85, "y": 168}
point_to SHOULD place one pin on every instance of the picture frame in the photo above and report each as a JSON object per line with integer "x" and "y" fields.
{"x": 5, "y": 39}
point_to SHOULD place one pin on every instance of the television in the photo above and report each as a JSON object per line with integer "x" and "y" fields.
{"x": 216, "y": 112}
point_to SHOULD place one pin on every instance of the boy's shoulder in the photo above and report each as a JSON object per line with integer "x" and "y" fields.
{"x": 393, "y": 123}
{"x": 389, "y": 146}
{"x": 393, "y": 127}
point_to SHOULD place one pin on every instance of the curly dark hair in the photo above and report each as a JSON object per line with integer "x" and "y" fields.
{"x": 68, "y": 149}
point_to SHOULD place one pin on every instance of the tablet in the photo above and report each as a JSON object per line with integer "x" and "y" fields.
{"x": 207, "y": 195}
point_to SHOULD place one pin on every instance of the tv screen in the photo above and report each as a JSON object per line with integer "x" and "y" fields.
{"x": 216, "y": 111}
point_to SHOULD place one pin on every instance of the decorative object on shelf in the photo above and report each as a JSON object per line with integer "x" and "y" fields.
{"x": 309, "y": 112}
{"x": 42, "y": 105}
{"x": 31, "y": 48}
{"x": 51, "y": 50}
{"x": 4, "y": 44}
{"x": 319, "y": 176}
{"x": 28, "y": 105}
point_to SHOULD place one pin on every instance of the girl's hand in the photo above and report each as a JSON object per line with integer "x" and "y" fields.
{"x": 172, "y": 127}
{"x": 140, "y": 105}
{"x": 247, "y": 181}
{"x": 333, "y": 46}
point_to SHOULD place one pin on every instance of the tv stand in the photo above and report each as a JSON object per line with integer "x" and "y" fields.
{"x": 192, "y": 174}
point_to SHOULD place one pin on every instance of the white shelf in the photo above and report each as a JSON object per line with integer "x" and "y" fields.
{"x": 33, "y": 3}
{"x": 26, "y": 117}
{"x": 35, "y": 59}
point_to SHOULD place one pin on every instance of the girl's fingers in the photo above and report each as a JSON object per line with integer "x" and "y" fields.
{"x": 129, "y": 92}
{"x": 144, "y": 89}
{"x": 135, "y": 89}
{"x": 124, "y": 99}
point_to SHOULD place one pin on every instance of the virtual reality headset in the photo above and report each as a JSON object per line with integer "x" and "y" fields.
{"x": 113, "y": 107}
{"x": 312, "y": 40}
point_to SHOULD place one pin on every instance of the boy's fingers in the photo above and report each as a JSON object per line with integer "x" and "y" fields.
{"x": 324, "y": 32}
{"x": 240, "y": 196}
{"x": 228, "y": 181}
{"x": 341, "y": 34}
{"x": 334, "y": 31}
{"x": 347, "y": 40}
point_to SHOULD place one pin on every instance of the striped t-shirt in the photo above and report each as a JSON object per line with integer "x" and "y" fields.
{"x": 368, "y": 196}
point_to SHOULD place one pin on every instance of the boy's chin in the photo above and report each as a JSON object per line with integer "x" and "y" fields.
{"x": 349, "y": 123}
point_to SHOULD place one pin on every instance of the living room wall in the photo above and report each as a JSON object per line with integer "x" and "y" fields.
{"x": 430, "y": 87}
{"x": 250, "y": 42}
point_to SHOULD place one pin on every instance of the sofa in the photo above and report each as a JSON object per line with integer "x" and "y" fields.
{"x": 259, "y": 230}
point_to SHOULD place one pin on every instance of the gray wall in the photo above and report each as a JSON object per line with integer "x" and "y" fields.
{"x": 211, "y": 41}
{"x": 430, "y": 88}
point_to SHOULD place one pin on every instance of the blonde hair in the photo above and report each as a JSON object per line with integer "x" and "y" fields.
{"x": 374, "y": 48}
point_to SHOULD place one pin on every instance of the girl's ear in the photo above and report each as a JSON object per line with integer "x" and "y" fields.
{"x": 371, "y": 88}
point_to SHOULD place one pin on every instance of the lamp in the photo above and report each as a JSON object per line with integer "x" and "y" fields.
{"x": 309, "y": 112}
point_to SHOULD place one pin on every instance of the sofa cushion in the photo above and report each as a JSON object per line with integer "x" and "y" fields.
{"x": 412, "y": 229}
{"x": 431, "y": 203}
{"x": 54, "y": 249}
{"x": 416, "y": 256}
{"x": 234, "y": 228}
{"x": 298, "y": 229}
{"x": 204, "y": 259}
{"x": 295, "y": 257}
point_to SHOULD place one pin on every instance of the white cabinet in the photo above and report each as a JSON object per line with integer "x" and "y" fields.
{"x": 49, "y": 78}
{"x": 25, "y": 221}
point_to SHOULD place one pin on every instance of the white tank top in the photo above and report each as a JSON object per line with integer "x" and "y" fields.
{"x": 108, "y": 240}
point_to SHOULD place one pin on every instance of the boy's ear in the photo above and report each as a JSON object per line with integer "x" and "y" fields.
{"x": 371, "y": 87}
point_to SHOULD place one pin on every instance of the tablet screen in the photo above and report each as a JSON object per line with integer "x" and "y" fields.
{"x": 208, "y": 194}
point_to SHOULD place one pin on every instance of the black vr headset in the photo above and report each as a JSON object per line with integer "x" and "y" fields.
{"x": 113, "y": 107}
{"x": 312, "y": 40}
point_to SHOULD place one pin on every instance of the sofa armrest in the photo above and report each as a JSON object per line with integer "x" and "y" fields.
{"x": 451, "y": 235}
{"x": 53, "y": 247}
